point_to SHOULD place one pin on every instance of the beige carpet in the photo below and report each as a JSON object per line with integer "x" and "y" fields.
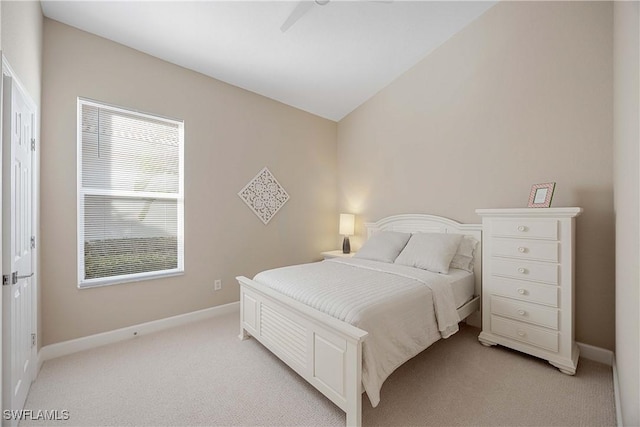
{"x": 201, "y": 374}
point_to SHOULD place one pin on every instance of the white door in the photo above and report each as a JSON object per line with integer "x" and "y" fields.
{"x": 17, "y": 213}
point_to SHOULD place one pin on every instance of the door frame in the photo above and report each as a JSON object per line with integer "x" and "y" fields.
{"x": 7, "y": 71}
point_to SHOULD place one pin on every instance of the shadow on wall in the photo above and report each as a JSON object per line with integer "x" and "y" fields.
{"x": 595, "y": 266}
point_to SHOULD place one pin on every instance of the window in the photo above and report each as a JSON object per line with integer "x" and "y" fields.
{"x": 130, "y": 195}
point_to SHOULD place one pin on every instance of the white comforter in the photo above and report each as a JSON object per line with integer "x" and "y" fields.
{"x": 403, "y": 309}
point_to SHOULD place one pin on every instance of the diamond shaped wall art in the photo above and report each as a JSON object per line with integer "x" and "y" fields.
{"x": 264, "y": 195}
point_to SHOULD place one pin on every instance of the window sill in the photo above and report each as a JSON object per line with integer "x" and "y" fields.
{"x": 118, "y": 280}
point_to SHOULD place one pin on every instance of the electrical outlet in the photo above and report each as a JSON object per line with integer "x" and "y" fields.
{"x": 217, "y": 285}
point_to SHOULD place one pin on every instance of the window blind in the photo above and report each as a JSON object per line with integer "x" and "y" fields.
{"x": 130, "y": 195}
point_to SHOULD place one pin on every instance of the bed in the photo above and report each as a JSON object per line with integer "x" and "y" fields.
{"x": 340, "y": 323}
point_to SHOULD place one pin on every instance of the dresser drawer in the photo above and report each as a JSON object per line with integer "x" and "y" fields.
{"x": 525, "y": 333}
{"x": 523, "y": 291}
{"x": 525, "y": 312}
{"x": 525, "y": 249}
{"x": 526, "y": 228}
{"x": 544, "y": 273}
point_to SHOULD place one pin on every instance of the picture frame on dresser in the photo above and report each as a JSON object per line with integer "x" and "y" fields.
{"x": 541, "y": 195}
{"x": 528, "y": 282}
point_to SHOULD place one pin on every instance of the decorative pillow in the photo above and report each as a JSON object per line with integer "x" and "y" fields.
{"x": 430, "y": 251}
{"x": 383, "y": 246}
{"x": 463, "y": 259}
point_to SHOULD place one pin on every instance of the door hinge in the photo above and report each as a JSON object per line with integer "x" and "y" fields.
{"x": 33, "y": 144}
{"x": 33, "y": 242}
{"x": 33, "y": 340}
{"x": 5, "y": 280}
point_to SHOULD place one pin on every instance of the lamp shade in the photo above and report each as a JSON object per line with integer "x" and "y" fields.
{"x": 347, "y": 224}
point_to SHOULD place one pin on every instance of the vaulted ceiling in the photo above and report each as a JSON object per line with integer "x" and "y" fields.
{"x": 331, "y": 60}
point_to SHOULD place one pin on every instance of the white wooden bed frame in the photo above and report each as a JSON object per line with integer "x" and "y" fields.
{"x": 325, "y": 351}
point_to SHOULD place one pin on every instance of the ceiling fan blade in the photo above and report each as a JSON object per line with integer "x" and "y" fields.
{"x": 300, "y": 10}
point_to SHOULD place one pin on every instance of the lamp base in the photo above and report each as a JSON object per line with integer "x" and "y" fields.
{"x": 346, "y": 246}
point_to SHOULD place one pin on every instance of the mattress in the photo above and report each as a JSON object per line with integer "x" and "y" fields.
{"x": 404, "y": 309}
{"x": 463, "y": 285}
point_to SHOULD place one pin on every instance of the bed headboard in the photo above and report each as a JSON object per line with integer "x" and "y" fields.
{"x": 415, "y": 223}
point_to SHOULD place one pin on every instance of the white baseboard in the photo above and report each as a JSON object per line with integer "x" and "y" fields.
{"x": 92, "y": 341}
{"x": 616, "y": 393}
{"x": 596, "y": 354}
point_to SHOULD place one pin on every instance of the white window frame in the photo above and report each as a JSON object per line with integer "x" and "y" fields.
{"x": 81, "y": 192}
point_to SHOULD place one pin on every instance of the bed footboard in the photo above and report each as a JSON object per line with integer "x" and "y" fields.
{"x": 323, "y": 350}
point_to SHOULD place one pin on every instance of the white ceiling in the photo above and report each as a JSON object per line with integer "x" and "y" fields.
{"x": 328, "y": 63}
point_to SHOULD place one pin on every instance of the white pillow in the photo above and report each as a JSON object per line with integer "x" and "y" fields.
{"x": 463, "y": 259}
{"x": 430, "y": 251}
{"x": 383, "y": 246}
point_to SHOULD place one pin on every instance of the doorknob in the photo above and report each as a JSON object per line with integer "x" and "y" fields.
{"x": 15, "y": 277}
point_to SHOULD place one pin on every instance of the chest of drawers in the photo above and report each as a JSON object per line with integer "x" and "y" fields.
{"x": 528, "y": 289}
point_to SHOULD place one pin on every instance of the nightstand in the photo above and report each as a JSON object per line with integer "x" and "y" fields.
{"x": 336, "y": 254}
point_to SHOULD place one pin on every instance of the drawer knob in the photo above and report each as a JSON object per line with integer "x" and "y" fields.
{"x": 521, "y": 333}
{"x": 522, "y": 228}
{"x": 522, "y": 249}
{"x": 522, "y": 291}
{"x": 522, "y": 312}
{"x": 522, "y": 270}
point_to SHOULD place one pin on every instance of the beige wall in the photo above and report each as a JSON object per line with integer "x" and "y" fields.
{"x": 523, "y": 95}
{"x": 230, "y": 135}
{"x": 21, "y": 42}
{"x": 626, "y": 62}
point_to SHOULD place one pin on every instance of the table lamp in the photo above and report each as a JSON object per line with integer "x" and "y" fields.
{"x": 347, "y": 225}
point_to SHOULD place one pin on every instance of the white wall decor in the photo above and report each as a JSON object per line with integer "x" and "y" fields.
{"x": 264, "y": 195}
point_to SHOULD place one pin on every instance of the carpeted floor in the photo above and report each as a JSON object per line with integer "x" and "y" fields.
{"x": 201, "y": 374}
